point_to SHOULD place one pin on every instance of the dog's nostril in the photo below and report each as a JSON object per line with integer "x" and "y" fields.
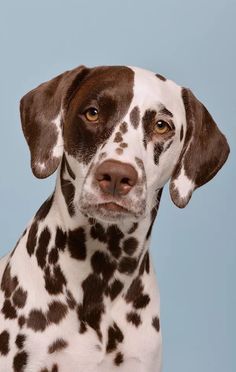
{"x": 103, "y": 177}
{"x": 126, "y": 181}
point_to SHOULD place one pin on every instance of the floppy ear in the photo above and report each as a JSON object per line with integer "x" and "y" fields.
{"x": 204, "y": 152}
{"x": 42, "y": 111}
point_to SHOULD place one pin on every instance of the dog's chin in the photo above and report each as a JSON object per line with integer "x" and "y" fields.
{"x": 111, "y": 212}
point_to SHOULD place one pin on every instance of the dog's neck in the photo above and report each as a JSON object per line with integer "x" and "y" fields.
{"x": 82, "y": 246}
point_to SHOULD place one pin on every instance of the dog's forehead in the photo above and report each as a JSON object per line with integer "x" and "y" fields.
{"x": 150, "y": 90}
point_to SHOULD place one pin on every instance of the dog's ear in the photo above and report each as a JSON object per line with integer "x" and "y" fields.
{"x": 42, "y": 111}
{"x": 204, "y": 152}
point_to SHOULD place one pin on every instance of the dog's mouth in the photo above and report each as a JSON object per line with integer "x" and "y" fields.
{"x": 112, "y": 210}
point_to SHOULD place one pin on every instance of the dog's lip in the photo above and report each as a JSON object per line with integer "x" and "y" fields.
{"x": 112, "y": 206}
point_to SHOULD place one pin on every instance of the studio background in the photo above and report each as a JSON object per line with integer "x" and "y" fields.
{"x": 191, "y": 42}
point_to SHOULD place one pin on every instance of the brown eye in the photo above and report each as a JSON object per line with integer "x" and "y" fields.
{"x": 162, "y": 127}
{"x": 91, "y": 114}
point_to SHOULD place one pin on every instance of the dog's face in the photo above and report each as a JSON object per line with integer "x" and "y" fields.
{"x": 121, "y": 134}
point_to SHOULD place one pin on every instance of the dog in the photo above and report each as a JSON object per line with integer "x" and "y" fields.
{"x": 78, "y": 292}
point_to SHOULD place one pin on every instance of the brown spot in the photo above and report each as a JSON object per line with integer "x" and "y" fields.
{"x": 36, "y": 320}
{"x": 56, "y": 312}
{"x": 76, "y": 243}
{"x": 41, "y": 252}
{"x": 70, "y": 300}
{"x": 53, "y": 256}
{"x": 134, "y": 318}
{"x": 115, "y": 288}
{"x": 161, "y": 77}
{"x": 44, "y": 209}
{"x": 55, "y": 368}
{"x": 130, "y": 245}
{"x": 136, "y": 296}
{"x": 55, "y": 280}
{"x": 21, "y": 321}
{"x": 119, "y": 359}
{"x": 181, "y": 133}
{"x": 114, "y": 235}
{"x": 97, "y": 231}
{"x": 102, "y": 264}
{"x": 32, "y": 238}
{"x": 127, "y": 265}
{"x": 118, "y": 137}
{"x": 156, "y": 323}
{"x": 60, "y": 240}
{"x": 115, "y": 336}
{"x": 158, "y": 149}
{"x": 68, "y": 190}
{"x": 119, "y": 151}
{"x": 57, "y": 345}
{"x": 123, "y": 127}
{"x": 8, "y": 310}
{"x": 135, "y": 117}
{"x": 20, "y": 361}
{"x": 133, "y": 228}
{"x": 145, "y": 264}
{"x": 4, "y": 342}
{"x": 19, "y": 297}
{"x": 9, "y": 283}
{"x": 123, "y": 145}
{"x": 20, "y": 340}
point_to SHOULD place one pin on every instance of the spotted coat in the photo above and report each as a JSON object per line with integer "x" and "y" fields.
{"x": 78, "y": 292}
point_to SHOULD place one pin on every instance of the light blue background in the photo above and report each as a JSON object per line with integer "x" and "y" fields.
{"x": 191, "y": 42}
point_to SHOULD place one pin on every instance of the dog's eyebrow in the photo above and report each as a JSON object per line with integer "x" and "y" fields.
{"x": 165, "y": 111}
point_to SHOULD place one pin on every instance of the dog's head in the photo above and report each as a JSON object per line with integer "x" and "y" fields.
{"x": 120, "y": 133}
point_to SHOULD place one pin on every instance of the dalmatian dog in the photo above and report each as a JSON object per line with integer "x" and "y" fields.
{"x": 78, "y": 292}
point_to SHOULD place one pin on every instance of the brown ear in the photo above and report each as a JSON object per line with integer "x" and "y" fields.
{"x": 42, "y": 111}
{"x": 204, "y": 152}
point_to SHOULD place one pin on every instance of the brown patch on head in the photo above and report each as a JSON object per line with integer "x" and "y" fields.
{"x": 160, "y": 77}
{"x": 57, "y": 345}
{"x": 135, "y": 117}
{"x": 158, "y": 149}
{"x": 148, "y": 121}
{"x": 4, "y": 342}
{"x": 110, "y": 89}
{"x": 77, "y": 243}
{"x": 164, "y": 111}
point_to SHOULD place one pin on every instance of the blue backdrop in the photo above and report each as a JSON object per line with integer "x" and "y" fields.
{"x": 191, "y": 42}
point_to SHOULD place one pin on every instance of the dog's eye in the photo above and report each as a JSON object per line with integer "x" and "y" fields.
{"x": 91, "y": 114}
{"x": 162, "y": 127}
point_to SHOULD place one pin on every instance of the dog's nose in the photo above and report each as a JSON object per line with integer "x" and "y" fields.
{"x": 115, "y": 177}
